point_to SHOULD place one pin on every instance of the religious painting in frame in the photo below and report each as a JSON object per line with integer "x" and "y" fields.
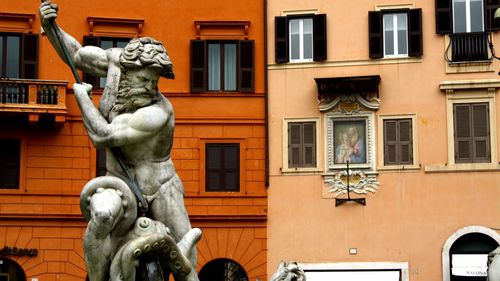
{"x": 350, "y": 139}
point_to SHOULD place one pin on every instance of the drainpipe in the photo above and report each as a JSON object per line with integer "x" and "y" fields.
{"x": 266, "y": 99}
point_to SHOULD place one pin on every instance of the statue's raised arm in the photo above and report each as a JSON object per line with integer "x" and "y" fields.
{"x": 90, "y": 59}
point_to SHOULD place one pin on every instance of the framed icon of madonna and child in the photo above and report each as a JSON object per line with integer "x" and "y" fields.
{"x": 349, "y": 141}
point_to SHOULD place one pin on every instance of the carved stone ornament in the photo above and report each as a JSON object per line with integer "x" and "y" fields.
{"x": 494, "y": 265}
{"x": 359, "y": 183}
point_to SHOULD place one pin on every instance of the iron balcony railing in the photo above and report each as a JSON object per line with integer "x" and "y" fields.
{"x": 472, "y": 46}
{"x": 34, "y": 97}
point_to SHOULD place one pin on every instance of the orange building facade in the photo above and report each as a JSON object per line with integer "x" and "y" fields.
{"x": 217, "y": 49}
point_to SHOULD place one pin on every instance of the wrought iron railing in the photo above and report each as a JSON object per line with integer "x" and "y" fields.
{"x": 472, "y": 46}
{"x": 34, "y": 97}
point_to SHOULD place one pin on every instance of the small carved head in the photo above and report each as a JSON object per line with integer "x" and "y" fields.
{"x": 147, "y": 52}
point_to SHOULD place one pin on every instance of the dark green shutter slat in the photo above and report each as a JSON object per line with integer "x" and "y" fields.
{"x": 198, "y": 66}
{"x": 246, "y": 66}
{"x": 444, "y": 17}
{"x": 319, "y": 37}
{"x": 375, "y": 34}
{"x": 281, "y": 39}
{"x": 309, "y": 143}
{"x": 29, "y": 65}
{"x": 294, "y": 144}
{"x": 87, "y": 78}
{"x": 415, "y": 33}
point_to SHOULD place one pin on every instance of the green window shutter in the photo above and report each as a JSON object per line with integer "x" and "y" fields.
{"x": 375, "y": 31}
{"x": 246, "y": 66}
{"x": 481, "y": 132}
{"x": 29, "y": 62}
{"x": 198, "y": 66}
{"x": 319, "y": 37}
{"x": 462, "y": 131}
{"x": 281, "y": 39}
{"x": 415, "y": 43}
{"x": 444, "y": 18}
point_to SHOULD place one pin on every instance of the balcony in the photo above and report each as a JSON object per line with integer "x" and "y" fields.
{"x": 34, "y": 97}
{"x": 469, "y": 47}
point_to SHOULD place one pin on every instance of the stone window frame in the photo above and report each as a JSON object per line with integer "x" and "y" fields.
{"x": 469, "y": 91}
{"x": 285, "y": 168}
{"x": 380, "y": 142}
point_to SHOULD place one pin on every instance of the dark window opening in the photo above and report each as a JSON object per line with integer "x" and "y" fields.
{"x": 11, "y": 271}
{"x": 222, "y": 270}
{"x": 222, "y": 164}
{"x": 10, "y": 160}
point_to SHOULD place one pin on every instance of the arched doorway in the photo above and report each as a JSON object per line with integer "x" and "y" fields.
{"x": 11, "y": 271}
{"x": 465, "y": 253}
{"x": 222, "y": 270}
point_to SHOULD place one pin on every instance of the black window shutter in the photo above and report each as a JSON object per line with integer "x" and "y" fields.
{"x": 375, "y": 34}
{"x": 281, "y": 39}
{"x": 444, "y": 17}
{"x": 415, "y": 32}
{"x": 490, "y": 6}
{"x": 29, "y": 61}
{"x": 87, "y": 78}
{"x": 481, "y": 132}
{"x": 462, "y": 130}
{"x": 198, "y": 66}
{"x": 246, "y": 66}
{"x": 319, "y": 34}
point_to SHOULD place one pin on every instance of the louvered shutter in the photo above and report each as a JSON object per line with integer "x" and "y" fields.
{"x": 319, "y": 37}
{"x": 281, "y": 39}
{"x": 490, "y": 6}
{"x": 294, "y": 145}
{"x": 375, "y": 34}
{"x": 198, "y": 66}
{"x": 246, "y": 66}
{"x": 481, "y": 132}
{"x": 309, "y": 144}
{"x": 213, "y": 166}
{"x": 87, "y": 78}
{"x": 231, "y": 171}
{"x": 444, "y": 17}
{"x": 390, "y": 142}
{"x": 462, "y": 130}
{"x": 29, "y": 61}
{"x": 415, "y": 33}
{"x": 405, "y": 150}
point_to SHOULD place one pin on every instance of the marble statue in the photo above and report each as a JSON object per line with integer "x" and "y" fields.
{"x": 288, "y": 271}
{"x": 494, "y": 265}
{"x": 129, "y": 228}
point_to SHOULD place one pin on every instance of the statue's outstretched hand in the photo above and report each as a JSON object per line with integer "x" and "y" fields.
{"x": 48, "y": 12}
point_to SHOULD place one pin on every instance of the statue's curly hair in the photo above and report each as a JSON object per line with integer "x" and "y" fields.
{"x": 146, "y": 52}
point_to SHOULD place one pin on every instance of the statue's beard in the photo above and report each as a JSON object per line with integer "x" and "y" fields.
{"x": 130, "y": 99}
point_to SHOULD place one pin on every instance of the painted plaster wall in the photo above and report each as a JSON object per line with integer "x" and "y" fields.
{"x": 414, "y": 212}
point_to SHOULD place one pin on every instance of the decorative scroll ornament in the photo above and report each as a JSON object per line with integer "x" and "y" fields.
{"x": 359, "y": 183}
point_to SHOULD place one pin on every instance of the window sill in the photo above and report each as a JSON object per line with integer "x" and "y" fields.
{"x": 470, "y": 66}
{"x": 466, "y": 167}
{"x": 291, "y": 171}
{"x": 399, "y": 168}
